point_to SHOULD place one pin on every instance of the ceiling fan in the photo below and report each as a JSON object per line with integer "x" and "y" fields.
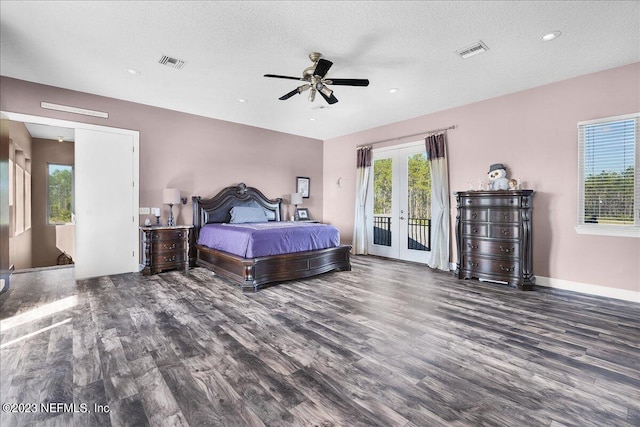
{"x": 316, "y": 81}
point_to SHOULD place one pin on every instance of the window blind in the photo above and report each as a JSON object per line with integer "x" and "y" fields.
{"x": 609, "y": 192}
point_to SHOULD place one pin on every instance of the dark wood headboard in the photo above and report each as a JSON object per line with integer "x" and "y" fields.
{"x": 216, "y": 209}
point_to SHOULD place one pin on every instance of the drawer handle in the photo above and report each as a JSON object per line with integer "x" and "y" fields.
{"x": 470, "y": 246}
{"x": 474, "y": 215}
{"x": 506, "y": 250}
{"x": 169, "y": 259}
{"x": 505, "y": 232}
{"x": 505, "y": 216}
{"x": 511, "y": 201}
{"x": 473, "y": 264}
{"x": 469, "y": 202}
{"x": 166, "y": 246}
{"x": 180, "y": 234}
{"x": 508, "y": 269}
{"x": 474, "y": 229}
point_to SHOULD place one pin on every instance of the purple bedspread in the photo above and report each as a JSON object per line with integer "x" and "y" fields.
{"x": 271, "y": 238}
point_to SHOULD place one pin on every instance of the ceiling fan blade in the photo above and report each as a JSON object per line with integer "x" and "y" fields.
{"x": 297, "y": 90}
{"x": 322, "y": 68}
{"x": 326, "y": 93}
{"x": 348, "y": 82}
{"x": 331, "y": 99}
{"x": 283, "y": 77}
{"x": 290, "y": 94}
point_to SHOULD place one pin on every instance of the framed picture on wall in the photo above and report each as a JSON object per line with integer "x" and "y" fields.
{"x": 302, "y": 186}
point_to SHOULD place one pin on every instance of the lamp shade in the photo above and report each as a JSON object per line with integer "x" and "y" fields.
{"x": 296, "y": 198}
{"x": 170, "y": 196}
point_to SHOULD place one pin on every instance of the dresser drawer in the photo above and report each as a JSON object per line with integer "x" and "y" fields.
{"x": 504, "y": 215}
{"x": 479, "y": 215}
{"x": 475, "y": 230}
{"x": 491, "y": 247}
{"x": 498, "y": 231}
{"x": 490, "y": 266}
{"x": 510, "y": 201}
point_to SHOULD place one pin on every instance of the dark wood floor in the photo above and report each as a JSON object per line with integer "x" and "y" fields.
{"x": 387, "y": 344}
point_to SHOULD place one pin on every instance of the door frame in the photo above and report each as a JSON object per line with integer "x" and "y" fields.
{"x": 135, "y": 208}
{"x": 399, "y": 228}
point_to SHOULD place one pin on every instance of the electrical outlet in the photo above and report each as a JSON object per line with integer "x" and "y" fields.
{"x": 145, "y": 211}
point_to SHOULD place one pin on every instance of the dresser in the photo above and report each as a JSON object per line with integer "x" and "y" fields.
{"x": 165, "y": 248}
{"x": 494, "y": 236}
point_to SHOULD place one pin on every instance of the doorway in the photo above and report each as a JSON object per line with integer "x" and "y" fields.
{"x": 106, "y": 196}
{"x": 399, "y": 203}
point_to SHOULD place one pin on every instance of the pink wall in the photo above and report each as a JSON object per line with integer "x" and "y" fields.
{"x": 198, "y": 155}
{"x": 534, "y": 134}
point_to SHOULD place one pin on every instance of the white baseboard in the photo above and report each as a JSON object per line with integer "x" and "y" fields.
{"x": 586, "y": 288}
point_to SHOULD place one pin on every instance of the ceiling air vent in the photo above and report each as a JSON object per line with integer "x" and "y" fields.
{"x": 172, "y": 62}
{"x": 474, "y": 49}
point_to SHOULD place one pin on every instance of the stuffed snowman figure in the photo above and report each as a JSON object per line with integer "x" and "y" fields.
{"x": 498, "y": 177}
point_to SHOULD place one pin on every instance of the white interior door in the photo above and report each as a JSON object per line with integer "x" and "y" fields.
{"x": 399, "y": 205}
{"x": 106, "y": 201}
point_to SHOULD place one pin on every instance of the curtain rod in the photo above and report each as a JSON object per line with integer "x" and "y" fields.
{"x": 407, "y": 136}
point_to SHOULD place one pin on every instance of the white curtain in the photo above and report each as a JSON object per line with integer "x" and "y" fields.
{"x": 440, "y": 218}
{"x": 360, "y": 243}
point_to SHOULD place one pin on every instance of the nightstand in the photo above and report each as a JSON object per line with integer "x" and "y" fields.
{"x": 165, "y": 248}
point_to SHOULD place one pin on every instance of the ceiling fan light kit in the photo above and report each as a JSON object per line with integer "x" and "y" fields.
{"x": 315, "y": 80}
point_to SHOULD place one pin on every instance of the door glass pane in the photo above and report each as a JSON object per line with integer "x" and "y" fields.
{"x": 382, "y": 197}
{"x": 419, "y": 202}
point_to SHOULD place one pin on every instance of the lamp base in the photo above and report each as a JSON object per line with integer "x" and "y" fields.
{"x": 171, "y": 221}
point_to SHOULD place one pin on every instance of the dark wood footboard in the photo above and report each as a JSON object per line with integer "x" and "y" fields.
{"x": 253, "y": 273}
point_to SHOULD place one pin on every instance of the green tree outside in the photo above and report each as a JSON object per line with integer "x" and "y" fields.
{"x": 60, "y": 194}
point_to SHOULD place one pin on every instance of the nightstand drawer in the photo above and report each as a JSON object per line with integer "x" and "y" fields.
{"x": 168, "y": 234}
{"x": 168, "y": 245}
{"x": 176, "y": 258}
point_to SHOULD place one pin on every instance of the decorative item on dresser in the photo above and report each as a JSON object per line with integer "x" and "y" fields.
{"x": 494, "y": 236}
{"x": 278, "y": 251}
{"x": 165, "y": 248}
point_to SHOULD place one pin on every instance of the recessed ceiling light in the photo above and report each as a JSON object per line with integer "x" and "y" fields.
{"x": 60, "y": 138}
{"x": 313, "y": 119}
{"x": 551, "y": 36}
{"x": 394, "y": 90}
{"x": 242, "y": 100}
{"x": 132, "y": 71}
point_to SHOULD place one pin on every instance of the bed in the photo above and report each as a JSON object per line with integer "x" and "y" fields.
{"x": 254, "y": 268}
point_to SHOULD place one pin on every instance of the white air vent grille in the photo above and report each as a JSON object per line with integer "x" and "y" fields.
{"x": 474, "y": 49}
{"x": 172, "y": 62}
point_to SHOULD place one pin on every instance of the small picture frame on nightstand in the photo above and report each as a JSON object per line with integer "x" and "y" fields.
{"x": 303, "y": 214}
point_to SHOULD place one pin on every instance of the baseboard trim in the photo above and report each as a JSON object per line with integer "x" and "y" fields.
{"x": 583, "y": 288}
{"x": 586, "y": 288}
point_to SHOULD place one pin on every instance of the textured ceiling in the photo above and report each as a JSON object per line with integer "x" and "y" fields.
{"x": 228, "y": 46}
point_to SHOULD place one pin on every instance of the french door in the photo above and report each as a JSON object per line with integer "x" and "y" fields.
{"x": 399, "y": 203}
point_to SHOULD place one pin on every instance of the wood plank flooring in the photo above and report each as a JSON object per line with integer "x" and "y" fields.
{"x": 387, "y": 344}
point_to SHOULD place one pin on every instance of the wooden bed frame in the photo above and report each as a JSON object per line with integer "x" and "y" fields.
{"x": 252, "y": 273}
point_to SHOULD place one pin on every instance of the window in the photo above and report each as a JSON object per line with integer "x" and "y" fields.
{"x": 59, "y": 194}
{"x": 609, "y": 177}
